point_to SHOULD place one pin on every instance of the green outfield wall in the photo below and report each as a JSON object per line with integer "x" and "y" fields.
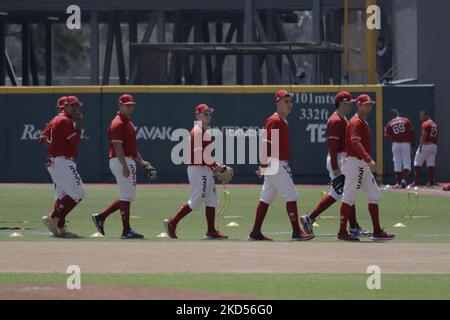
{"x": 163, "y": 109}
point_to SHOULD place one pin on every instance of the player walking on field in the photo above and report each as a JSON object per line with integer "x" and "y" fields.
{"x": 123, "y": 155}
{"x": 358, "y": 170}
{"x": 336, "y": 126}
{"x": 281, "y": 181}
{"x": 400, "y": 131}
{"x": 427, "y": 150}
{"x": 65, "y": 134}
{"x": 201, "y": 169}
{"x": 44, "y": 138}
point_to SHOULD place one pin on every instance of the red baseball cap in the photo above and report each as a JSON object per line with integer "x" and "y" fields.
{"x": 364, "y": 99}
{"x": 61, "y": 102}
{"x": 203, "y": 108}
{"x": 126, "y": 99}
{"x": 281, "y": 94}
{"x": 73, "y": 100}
{"x": 343, "y": 96}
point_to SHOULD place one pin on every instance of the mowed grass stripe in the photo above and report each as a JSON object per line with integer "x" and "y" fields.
{"x": 270, "y": 286}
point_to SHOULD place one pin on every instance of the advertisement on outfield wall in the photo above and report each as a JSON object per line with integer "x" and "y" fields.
{"x": 238, "y": 113}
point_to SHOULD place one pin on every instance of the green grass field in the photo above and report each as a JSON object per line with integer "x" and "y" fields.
{"x": 23, "y": 207}
{"x": 267, "y": 286}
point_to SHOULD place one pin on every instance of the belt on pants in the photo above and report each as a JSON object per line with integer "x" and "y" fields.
{"x": 357, "y": 158}
{"x": 63, "y": 157}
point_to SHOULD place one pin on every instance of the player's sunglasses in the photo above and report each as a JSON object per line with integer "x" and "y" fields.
{"x": 207, "y": 114}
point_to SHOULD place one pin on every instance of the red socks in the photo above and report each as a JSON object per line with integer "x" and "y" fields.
{"x": 431, "y": 175}
{"x": 184, "y": 210}
{"x": 346, "y": 211}
{"x": 405, "y": 174}
{"x": 352, "y": 217}
{"x": 373, "y": 210}
{"x": 125, "y": 214}
{"x": 111, "y": 209}
{"x": 291, "y": 208}
{"x": 210, "y": 213}
{"x": 431, "y": 171}
{"x": 416, "y": 175}
{"x": 324, "y": 203}
{"x": 398, "y": 177}
{"x": 261, "y": 212}
{"x": 56, "y": 205}
{"x": 62, "y": 209}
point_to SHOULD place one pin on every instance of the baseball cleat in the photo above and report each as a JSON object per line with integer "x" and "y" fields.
{"x": 215, "y": 235}
{"x": 131, "y": 234}
{"x": 359, "y": 232}
{"x": 403, "y": 184}
{"x": 99, "y": 223}
{"x": 64, "y": 233}
{"x": 396, "y": 186}
{"x": 51, "y": 224}
{"x": 170, "y": 228}
{"x": 383, "y": 236}
{"x": 303, "y": 236}
{"x": 258, "y": 237}
{"x": 307, "y": 223}
{"x": 347, "y": 237}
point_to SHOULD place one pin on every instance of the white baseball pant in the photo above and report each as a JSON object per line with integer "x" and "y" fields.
{"x": 202, "y": 187}
{"x": 358, "y": 176}
{"x": 127, "y": 186}
{"x": 427, "y": 155}
{"x": 341, "y": 159}
{"x": 280, "y": 182}
{"x": 402, "y": 156}
{"x": 66, "y": 178}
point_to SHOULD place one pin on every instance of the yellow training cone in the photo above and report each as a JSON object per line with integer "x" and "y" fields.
{"x": 162, "y": 235}
{"x": 97, "y": 235}
{"x": 233, "y": 224}
{"x": 16, "y": 234}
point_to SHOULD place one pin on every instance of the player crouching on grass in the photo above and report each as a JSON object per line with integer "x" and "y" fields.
{"x": 358, "y": 170}
{"x": 201, "y": 178}
{"x": 64, "y": 139}
{"x": 336, "y": 126}
{"x": 123, "y": 155}
{"x": 277, "y": 153}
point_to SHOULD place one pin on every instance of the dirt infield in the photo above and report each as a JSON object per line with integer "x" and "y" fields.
{"x": 211, "y": 257}
{"x": 224, "y": 257}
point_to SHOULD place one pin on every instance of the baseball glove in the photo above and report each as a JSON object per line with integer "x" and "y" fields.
{"x": 224, "y": 175}
{"x": 150, "y": 171}
{"x": 338, "y": 184}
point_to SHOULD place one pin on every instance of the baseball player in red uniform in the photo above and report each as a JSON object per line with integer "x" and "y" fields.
{"x": 65, "y": 134}
{"x": 44, "y": 138}
{"x": 44, "y": 141}
{"x": 358, "y": 168}
{"x": 200, "y": 170}
{"x": 400, "y": 131}
{"x": 278, "y": 153}
{"x": 123, "y": 155}
{"x": 336, "y": 127}
{"x": 427, "y": 150}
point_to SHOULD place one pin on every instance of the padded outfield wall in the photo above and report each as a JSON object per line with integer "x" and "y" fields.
{"x": 162, "y": 109}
